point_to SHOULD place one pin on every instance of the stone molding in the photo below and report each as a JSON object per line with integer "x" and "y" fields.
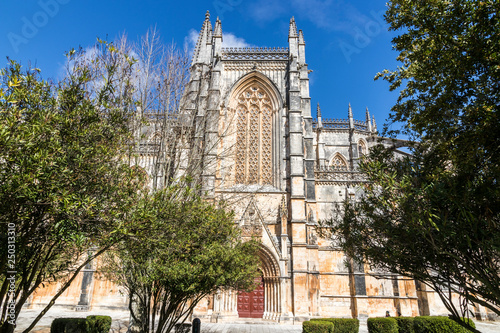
{"x": 259, "y": 66}
{"x": 254, "y": 53}
{"x": 325, "y": 175}
{"x": 328, "y": 123}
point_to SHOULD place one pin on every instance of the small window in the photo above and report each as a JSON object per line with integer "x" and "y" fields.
{"x": 361, "y": 148}
{"x": 338, "y": 162}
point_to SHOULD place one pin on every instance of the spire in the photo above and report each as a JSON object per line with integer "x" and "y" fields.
{"x": 293, "y": 46}
{"x": 318, "y": 115}
{"x": 351, "y": 119}
{"x": 200, "y": 50}
{"x": 217, "y": 28}
{"x": 374, "y": 125}
{"x": 301, "y": 38}
{"x": 292, "y": 32}
{"x": 209, "y": 28}
{"x": 217, "y": 38}
{"x": 368, "y": 122}
{"x": 302, "y": 48}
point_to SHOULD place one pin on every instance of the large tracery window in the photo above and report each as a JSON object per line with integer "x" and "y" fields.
{"x": 254, "y": 137}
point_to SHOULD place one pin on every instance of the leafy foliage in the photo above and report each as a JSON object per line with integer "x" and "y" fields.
{"x": 91, "y": 324}
{"x": 435, "y": 216}
{"x": 382, "y": 325}
{"x": 428, "y": 324}
{"x": 99, "y": 324}
{"x": 69, "y": 325}
{"x": 342, "y": 325}
{"x": 317, "y": 326}
{"x": 405, "y": 324}
{"x": 64, "y": 186}
{"x": 183, "y": 249}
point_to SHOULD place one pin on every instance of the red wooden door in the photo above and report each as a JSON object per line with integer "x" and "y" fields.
{"x": 251, "y": 304}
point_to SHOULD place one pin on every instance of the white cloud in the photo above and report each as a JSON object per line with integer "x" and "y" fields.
{"x": 89, "y": 54}
{"x": 230, "y": 40}
{"x": 333, "y": 15}
{"x": 190, "y": 41}
{"x": 330, "y": 15}
{"x": 268, "y": 10}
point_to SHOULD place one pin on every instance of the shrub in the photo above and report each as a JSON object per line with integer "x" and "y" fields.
{"x": 99, "y": 324}
{"x": 342, "y": 325}
{"x": 317, "y": 326}
{"x": 382, "y": 325}
{"x": 431, "y": 324}
{"x": 470, "y": 322}
{"x": 405, "y": 324}
{"x": 69, "y": 325}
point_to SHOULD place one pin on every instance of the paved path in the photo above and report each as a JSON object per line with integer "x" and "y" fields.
{"x": 121, "y": 318}
{"x": 250, "y": 328}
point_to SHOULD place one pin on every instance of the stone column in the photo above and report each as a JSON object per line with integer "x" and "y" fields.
{"x": 87, "y": 286}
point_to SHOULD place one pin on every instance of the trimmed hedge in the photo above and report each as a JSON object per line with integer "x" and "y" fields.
{"x": 91, "y": 324}
{"x": 317, "y": 326}
{"x": 405, "y": 324}
{"x": 435, "y": 324}
{"x": 69, "y": 325}
{"x": 382, "y": 325}
{"x": 99, "y": 324}
{"x": 342, "y": 325}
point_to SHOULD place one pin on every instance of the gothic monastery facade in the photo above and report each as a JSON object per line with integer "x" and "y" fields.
{"x": 289, "y": 169}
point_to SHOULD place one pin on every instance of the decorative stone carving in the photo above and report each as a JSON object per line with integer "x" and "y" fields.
{"x": 253, "y": 230}
{"x": 254, "y": 137}
{"x": 255, "y": 53}
{"x": 338, "y": 162}
{"x": 327, "y": 123}
{"x": 323, "y": 174}
{"x": 312, "y": 239}
{"x": 251, "y": 225}
{"x": 259, "y": 66}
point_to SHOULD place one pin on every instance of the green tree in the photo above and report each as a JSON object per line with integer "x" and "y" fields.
{"x": 184, "y": 249}
{"x": 435, "y": 216}
{"x": 64, "y": 186}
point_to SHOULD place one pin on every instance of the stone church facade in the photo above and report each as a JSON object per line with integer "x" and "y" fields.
{"x": 287, "y": 170}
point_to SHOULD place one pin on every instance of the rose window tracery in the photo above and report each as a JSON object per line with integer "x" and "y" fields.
{"x": 254, "y": 137}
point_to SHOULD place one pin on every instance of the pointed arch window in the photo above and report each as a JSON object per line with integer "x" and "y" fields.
{"x": 361, "y": 148}
{"x": 338, "y": 162}
{"x": 254, "y": 137}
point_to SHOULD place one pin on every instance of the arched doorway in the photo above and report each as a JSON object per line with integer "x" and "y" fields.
{"x": 265, "y": 300}
{"x": 251, "y": 304}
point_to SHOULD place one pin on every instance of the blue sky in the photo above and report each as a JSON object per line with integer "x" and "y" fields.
{"x": 347, "y": 42}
